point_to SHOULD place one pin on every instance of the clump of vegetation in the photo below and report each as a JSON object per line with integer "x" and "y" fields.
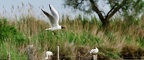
{"x": 132, "y": 52}
{"x": 10, "y": 40}
{"x": 121, "y": 39}
{"x": 10, "y": 33}
{"x": 79, "y": 37}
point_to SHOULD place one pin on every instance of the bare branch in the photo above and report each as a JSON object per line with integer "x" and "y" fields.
{"x": 111, "y": 10}
{"x": 79, "y": 3}
{"x": 95, "y": 8}
{"x": 116, "y": 9}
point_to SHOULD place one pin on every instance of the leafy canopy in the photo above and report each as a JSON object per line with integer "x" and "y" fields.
{"x": 130, "y": 7}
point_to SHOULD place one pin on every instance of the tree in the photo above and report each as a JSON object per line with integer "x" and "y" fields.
{"x": 124, "y": 7}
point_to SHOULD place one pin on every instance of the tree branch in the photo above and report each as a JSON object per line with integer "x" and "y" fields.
{"x": 95, "y": 8}
{"x": 116, "y": 9}
{"x": 79, "y": 3}
{"x": 111, "y": 10}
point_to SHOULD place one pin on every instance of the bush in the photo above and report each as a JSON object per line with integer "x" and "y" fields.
{"x": 8, "y": 33}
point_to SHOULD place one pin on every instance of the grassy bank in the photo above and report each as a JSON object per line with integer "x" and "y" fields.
{"x": 118, "y": 41}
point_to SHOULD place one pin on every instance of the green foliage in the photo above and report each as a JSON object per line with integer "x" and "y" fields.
{"x": 10, "y": 33}
{"x": 134, "y": 6}
{"x": 80, "y": 36}
{"x": 140, "y": 41}
{"x": 78, "y": 4}
{"x": 5, "y": 49}
{"x": 126, "y": 8}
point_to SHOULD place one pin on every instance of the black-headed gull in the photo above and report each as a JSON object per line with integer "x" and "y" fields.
{"x": 48, "y": 55}
{"x": 54, "y": 19}
{"x": 94, "y": 51}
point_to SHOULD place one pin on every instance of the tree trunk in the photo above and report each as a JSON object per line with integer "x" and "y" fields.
{"x": 105, "y": 19}
{"x": 105, "y": 22}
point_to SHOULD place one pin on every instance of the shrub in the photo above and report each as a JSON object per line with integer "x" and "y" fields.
{"x": 8, "y": 32}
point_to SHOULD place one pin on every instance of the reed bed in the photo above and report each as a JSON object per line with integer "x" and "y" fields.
{"x": 118, "y": 41}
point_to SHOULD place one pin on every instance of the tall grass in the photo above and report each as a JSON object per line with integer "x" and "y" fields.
{"x": 121, "y": 40}
{"x": 80, "y": 36}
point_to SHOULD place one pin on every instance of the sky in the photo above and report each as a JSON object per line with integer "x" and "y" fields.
{"x": 12, "y": 8}
{"x": 16, "y": 8}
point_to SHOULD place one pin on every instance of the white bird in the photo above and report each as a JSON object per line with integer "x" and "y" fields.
{"x": 48, "y": 55}
{"x": 94, "y": 51}
{"x": 54, "y": 19}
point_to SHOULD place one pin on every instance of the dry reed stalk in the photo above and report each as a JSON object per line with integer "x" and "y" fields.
{"x": 58, "y": 52}
{"x": 9, "y": 56}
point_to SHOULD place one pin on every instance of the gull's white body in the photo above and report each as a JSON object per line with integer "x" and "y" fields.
{"x": 54, "y": 19}
{"x": 48, "y": 55}
{"x": 94, "y": 51}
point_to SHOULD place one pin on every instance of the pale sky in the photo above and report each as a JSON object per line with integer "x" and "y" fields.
{"x": 9, "y": 8}
{"x": 13, "y": 8}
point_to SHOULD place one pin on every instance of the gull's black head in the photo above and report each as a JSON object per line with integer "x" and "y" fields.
{"x": 63, "y": 27}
